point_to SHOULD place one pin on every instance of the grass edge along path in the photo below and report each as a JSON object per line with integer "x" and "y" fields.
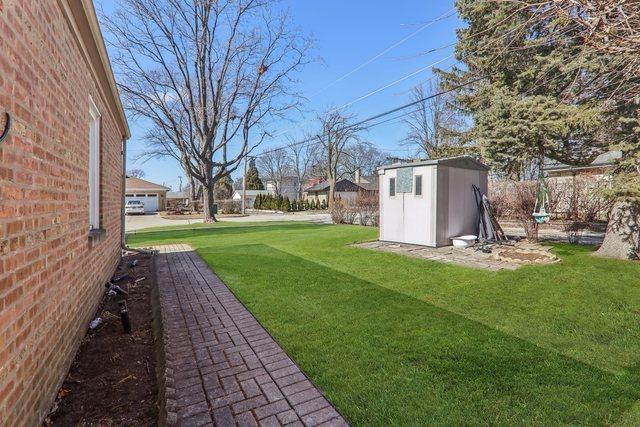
{"x": 389, "y": 353}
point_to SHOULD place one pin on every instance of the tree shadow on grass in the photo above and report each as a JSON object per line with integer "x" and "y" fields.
{"x": 386, "y": 358}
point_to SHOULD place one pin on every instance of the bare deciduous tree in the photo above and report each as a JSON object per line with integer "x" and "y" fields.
{"x": 432, "y": 122}
{"x": 363, "y": 156}
{"x": 208, "y": 75}
{"x": 335, "y": 135}
{"x": 302, "y": 157}
{"x": 136, "y": 173}
{"x": 275, "y": 166}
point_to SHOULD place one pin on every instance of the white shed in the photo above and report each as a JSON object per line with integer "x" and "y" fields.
{"x": 428, "y": 202}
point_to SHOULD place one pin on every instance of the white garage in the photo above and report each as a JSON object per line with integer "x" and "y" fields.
{"x": 153, "y": 196}
{"x": 428, "y": 202}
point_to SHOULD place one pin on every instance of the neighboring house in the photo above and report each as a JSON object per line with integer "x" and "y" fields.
{"x": 288, "y": 187}
{"x": 62, "y": 188}
{"x": 571, "y": 183}
{"x": 178, "y": 197}
{"x": 347, "y": 190}
{"x": 250, "y": 196}
{"x": 154, "y": 196}
{"x": 603, "y": 164}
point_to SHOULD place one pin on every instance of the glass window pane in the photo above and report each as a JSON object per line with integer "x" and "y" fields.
{"x": 392, "y": 187}
{"x": 418, "y": 185}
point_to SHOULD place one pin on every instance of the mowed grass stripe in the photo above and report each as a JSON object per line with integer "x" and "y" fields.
{"x": 380, "y": 335}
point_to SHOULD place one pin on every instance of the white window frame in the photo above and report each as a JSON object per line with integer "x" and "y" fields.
{"x": 415, "y": 185}
{"x": 94, "y": 166}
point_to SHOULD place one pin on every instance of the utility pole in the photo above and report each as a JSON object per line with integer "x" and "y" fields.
{"x": 244, "y": 185}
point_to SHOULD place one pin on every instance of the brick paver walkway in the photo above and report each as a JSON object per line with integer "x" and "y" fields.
{"x": 222, "y": 367}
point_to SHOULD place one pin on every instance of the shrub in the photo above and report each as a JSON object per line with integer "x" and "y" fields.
{"x": 269, "y": 202}
{"x": 229, "y": 206}
{"x": 337, "y": 212}
{"x": 286, "y": 205}
{"x": 367, "y": 208}
{"x": 575, "y": 202}
{"x": 524, "y": 197}
{"x": 499, "y": 199}
{"x": 323, "y": 205}
{"x": 584, "y": 204}
{"x": 516, "y": 200}
{"x": 350, "y": 214}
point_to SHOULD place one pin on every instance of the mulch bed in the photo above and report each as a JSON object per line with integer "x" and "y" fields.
{"x": 525, "y": 256}
{"x": 112, "y": 380}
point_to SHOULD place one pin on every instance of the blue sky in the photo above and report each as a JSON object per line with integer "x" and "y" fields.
{"x": 348, "y": 34}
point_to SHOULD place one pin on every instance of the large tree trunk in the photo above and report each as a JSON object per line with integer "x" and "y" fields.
{"x": 193, "y": 193}
{"x": 332, "y": 191}
{"x": 208, "y": 196}
{"x": 209, "y": 204}
{"x": 622, "y": 239}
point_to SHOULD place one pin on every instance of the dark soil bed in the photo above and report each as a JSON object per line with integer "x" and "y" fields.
{"x": 112, "y": 380}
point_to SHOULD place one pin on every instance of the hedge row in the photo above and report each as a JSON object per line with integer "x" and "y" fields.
{"x": 280, "y": 203}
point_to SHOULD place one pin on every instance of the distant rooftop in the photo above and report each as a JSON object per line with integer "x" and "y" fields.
{"x": 137, "y": 184}
{"x": 177, "y": 195}
{"x": 251, "y": 193}
{"x": 369, "y": 183}
{"x": 603, "y": 160}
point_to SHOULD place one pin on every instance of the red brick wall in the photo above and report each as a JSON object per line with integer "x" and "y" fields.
{"x": 51, "y": 277}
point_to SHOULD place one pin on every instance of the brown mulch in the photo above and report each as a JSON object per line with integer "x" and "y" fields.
{"x": 112, "y": 380}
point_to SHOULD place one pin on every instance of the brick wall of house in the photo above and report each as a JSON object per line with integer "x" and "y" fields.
{"x": 51, "y": 277}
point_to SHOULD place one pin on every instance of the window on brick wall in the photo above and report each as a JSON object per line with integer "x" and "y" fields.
{"x": 94, "y": 166}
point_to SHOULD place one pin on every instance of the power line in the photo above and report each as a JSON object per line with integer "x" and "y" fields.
{"x": 380, "y": 89}
{"x": 375, "y": 117}
{"x": 508, "y": 33}
{"x": 446, "y": 15}
{"x": 478, "y": 33}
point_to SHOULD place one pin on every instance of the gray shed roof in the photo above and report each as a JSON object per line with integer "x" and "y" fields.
{"x": 463, "y": 162}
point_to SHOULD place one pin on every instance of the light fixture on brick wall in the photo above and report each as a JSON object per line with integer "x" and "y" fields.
{"x": 7, "y": 128}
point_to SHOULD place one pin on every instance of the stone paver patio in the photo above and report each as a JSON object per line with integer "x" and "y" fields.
{"x": 497, "y": 260}
{"x": 221, "y": 366}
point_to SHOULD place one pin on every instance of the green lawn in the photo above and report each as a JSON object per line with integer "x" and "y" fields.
{"x": 398, "y": 340}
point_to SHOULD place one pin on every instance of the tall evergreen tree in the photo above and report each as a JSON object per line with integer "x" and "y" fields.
{"x": 533, "y": 100}
{"x": 223, "y": 189}
{"x": 252, "y": 179}
{"x": 545, "y": 92}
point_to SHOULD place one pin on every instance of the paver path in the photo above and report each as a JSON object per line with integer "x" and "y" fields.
{"x": 222, "y": 367}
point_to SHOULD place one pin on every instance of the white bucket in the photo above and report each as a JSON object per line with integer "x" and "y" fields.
{"x": 464, "y": 241}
